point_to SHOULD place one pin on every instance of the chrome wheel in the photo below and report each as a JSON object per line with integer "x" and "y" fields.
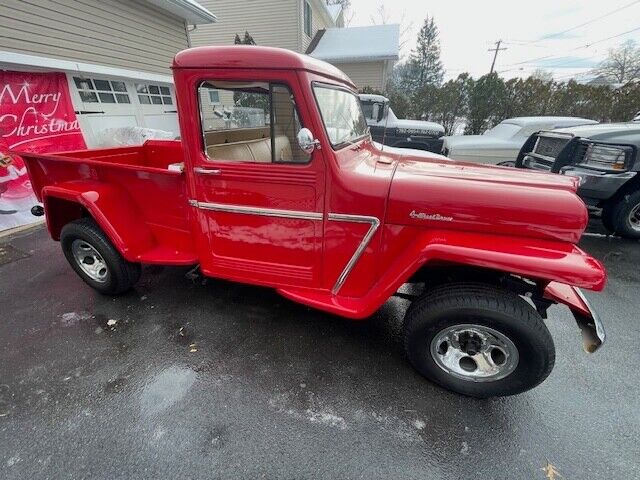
{"x": 89, "y": 260}
{"x": 634, "y": 218}
{"x": 474, "y": 352}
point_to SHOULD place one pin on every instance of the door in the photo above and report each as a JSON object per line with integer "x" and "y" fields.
{"x": 102, "y": 104}
{"x": 259, "y": 196}
{"x": 157, "y": 106}
{"x": 106, "y": 103}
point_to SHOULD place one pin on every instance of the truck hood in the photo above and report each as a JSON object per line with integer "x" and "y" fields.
{"x": 417, "y": 125}
{"x": 609, "y": 132}
{"x": 485, "y": 199}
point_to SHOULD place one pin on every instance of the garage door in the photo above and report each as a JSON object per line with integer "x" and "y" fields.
{"x": 103, "y": 103}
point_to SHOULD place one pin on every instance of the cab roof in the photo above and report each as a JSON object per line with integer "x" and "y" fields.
{"x": 250, "y": 56}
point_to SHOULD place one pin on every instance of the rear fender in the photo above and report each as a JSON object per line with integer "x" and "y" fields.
{"x": 110, "y": 206}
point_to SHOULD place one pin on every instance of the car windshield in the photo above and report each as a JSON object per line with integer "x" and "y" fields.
{"x": 341, "y": 114}
{"x": 503, "y": 130}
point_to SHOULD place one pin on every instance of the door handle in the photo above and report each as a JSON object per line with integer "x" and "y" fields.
{"x": 207, "y": 171}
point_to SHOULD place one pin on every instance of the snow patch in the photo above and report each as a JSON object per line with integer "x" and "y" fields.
{"x": 71, "y": 319}
{"x": 419, "y": 424}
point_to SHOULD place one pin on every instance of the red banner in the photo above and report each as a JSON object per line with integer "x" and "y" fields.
{"x": 36, "y": 115}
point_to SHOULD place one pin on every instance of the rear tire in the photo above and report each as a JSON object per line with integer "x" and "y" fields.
{"x": 91, "y": 254}
{"x": 478, "y": 340}
{"x": 623, "y": 216}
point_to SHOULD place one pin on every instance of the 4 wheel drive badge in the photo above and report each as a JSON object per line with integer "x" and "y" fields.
{"x": 430, "y": 216}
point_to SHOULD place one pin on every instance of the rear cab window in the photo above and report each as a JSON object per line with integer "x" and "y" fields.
{"x": 341, "y": 114}
{"x": 253, "y": 122}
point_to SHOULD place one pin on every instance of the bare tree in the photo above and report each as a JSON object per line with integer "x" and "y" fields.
{"x": 347, "y": 12}
{"x": 622, "y": 63}
{"x": 382, "y": 17}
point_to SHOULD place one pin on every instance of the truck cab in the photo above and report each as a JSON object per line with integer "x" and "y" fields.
{"x": 388, "y": 129}
{"x": 282, "y": 186}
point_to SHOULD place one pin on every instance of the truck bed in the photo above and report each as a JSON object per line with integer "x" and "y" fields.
{"x": 146, "y": 199}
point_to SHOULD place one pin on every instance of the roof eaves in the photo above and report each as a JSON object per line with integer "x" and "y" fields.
{"x": 189, "y": 10}
{"x": 357, "y": 59}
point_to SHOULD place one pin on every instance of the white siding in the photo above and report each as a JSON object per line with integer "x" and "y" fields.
{"x": 130, "y": 34}
{"x": 317, "y": 23}
{"x": 365, "y": 74}
{"x": 270, "y": 23}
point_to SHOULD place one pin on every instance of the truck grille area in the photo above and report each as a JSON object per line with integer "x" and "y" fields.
{"x": 550, "y": 146}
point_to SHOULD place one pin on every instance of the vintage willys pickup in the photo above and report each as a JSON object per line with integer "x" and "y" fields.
{"x": 279, "y": 184}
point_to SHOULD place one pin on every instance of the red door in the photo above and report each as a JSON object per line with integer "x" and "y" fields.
{"x": 259, "y": 197}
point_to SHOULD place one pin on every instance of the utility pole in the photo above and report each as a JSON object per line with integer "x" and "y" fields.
{"x": 495, "y": 55}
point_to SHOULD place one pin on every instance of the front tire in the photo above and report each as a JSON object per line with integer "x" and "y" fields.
{"x": 623, "y": 216}
{"x": 91, "y": 254}
{"x": 478, "y": 340}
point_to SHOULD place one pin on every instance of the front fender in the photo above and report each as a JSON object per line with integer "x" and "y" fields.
{"x": 406, "y": 250}
{"x": 111, "y": 207}
{"x": 588, "y": 320}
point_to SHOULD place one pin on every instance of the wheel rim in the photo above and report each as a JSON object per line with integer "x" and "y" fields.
{"x": 89, "y": 261}
{"x": 634, "y": 218}
{"x": 474, "y": 352}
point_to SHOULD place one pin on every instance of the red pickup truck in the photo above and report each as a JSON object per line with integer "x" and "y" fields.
{"x": 276, "y": 182}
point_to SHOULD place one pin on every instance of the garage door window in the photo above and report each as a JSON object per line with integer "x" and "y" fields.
{"x": 149, "y": 94}
{"x": 95, "y": 90}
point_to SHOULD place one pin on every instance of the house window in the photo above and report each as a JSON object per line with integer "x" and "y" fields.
{"x": 94, "y": 90}
{"x": 308, "y": 20}
{"x": 149, "y": 94}
{"x": 214, "y": 97}
{"x": 258, "y": 125}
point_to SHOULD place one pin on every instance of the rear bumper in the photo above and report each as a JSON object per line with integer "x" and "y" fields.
{"x": 588, "y": 320}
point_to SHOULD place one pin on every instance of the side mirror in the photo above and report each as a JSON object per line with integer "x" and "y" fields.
{"x": 306, "y": 141}
{"x": 381, "y": 111}
{"x": 375, "y": 112}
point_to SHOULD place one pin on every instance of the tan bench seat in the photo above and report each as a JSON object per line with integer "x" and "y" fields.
{"x": 258, "y": 150}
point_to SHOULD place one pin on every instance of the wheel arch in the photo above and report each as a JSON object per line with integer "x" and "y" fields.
{"x": 633, "y": 185}
{"x": 110, "y": 207}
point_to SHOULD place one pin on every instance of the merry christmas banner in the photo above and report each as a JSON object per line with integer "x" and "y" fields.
{"x": 36, "y": 115}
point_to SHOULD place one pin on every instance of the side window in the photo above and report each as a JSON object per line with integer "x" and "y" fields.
{"x": 250, "y": 122}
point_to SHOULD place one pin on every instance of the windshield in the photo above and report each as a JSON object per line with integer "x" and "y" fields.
{"x": 341, "y": 114}
{"x": 503, "y": 130}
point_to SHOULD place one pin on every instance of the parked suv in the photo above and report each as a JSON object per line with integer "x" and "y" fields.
{"x": 605, "y": 159}
{"x": 388, "y": 129}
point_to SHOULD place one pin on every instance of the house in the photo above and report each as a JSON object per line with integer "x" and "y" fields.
{"x": 366, "y": 54}
{"x": 114, "y": 54}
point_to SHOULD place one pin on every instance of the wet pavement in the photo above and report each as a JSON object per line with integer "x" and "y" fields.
{"x": 192, "y": 378}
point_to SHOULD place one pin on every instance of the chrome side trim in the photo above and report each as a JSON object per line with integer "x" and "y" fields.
{"x": 374, "y": 223}
{"x": 265, "y": 212}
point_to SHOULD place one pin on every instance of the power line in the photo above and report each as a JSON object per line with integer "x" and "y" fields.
{"x": 584, "y": 24}
{"x": 587, "y": 45}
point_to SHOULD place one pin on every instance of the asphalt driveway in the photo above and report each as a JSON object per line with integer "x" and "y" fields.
{"x": 196, "y": 378}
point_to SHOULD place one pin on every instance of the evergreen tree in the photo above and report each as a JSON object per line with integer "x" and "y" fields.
{"x": 424, "y": 66}
{"x": 247, "y": 40}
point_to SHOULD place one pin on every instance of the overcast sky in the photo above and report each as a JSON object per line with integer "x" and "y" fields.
{"x": 533, "y": 31}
